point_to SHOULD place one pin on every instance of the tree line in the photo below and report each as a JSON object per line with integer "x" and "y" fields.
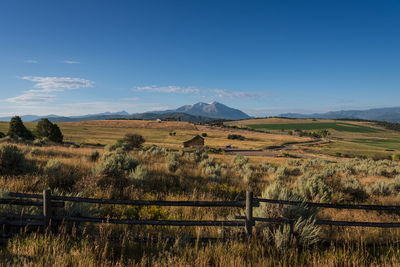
{"x": 45, "y": 129}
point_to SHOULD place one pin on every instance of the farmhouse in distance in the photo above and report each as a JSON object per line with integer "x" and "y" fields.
{"x": 197, "y": 142}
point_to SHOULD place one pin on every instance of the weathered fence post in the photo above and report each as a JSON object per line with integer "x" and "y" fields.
{"x": 249, "y": 212}
{"x": 47, "y": 207}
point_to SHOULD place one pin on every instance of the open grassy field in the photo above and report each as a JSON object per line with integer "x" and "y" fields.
{"x": 337, "y": 126}
{"x": 107, "y": 132}
{"x": 354, "y": 138}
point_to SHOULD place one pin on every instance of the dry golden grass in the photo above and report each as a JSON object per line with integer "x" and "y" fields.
{"x": 189, "y": 182}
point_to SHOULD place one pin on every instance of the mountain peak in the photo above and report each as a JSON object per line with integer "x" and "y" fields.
{"x": 213, "y": 110}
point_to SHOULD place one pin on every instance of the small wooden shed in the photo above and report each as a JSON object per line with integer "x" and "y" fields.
{"x": 196, "y": 141}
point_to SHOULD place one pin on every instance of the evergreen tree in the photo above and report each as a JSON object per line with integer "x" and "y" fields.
{"x": 18, "y": 129}
{"x": 46, "y": 129}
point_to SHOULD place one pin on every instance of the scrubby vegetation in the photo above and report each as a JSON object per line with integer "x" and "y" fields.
{"x": 236, "y": 137}
{"x": 149, "y": 172}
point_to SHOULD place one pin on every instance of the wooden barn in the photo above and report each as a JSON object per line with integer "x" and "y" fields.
{"x": 196, "y": 141}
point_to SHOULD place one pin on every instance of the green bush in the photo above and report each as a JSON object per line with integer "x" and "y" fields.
{"x": 140, "y": 174}
{"x": 352, "y": 187}
{"x": 381, "y": 187}
{"x": 314, "y": 189}
{"x": 236, "y": 137}
{"x": 18, "y": 129}
{"x": 115, "y": 165}
{"x": 134, "y": 140}
{"x": 46, "y": 129}
{"x": 172, "y": 162}
{"x": 12, "y": 160}
{"x": 304, "y": 231}
{"x": 2, "y": 135}
{"x": 396, "y": 157}
{"x": 16, "y": 209}
{"x": 59, "y": 176}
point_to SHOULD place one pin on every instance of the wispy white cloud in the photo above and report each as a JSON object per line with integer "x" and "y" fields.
{"x": 44, "y": 86}
{"x": 71, "y": 62}
{"x": 56, "y": 84}
{"x": 169, "y": 89}
{"x": 205, "y": 93}
{"x": 31, "y": 61}
{"x": 31, "y": 98}
{"x": 222, "y": 93}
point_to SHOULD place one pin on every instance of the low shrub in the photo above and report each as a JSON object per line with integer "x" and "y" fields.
{"x": 134, "y": 140}
{"x": 2, "y": 135}
{"x": 282, "y": 173}
{"x": 314, "y": 189}
{"x": 204, "y": 134}
{"x": 94, "y": 156}
{"x": 304, "y": 231}
{"x": 353, "y": 188}
{"x": 380, "y": 187}
{"x": 59, "y": 176}
{"x": 115, "y": 165}
{"x": 12, "y": 160}
{"x": 139, "y": 174}
{"x": 172, "y": 162}
{"x": 236, "y": 137}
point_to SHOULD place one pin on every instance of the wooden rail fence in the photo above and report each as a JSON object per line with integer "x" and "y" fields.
{"x": 49, "y": 202}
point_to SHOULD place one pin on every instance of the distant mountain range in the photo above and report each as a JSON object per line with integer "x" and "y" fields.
{"x": 376, "y": 114}
{"x": 200, "y": 112}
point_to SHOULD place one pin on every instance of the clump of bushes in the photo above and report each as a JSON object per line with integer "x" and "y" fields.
{"x": 314, "y": 189}
{"x": 381, "y": 188}
{"x": 236, "y": 137}
{"x": 172, "y": 162}
{"x": 12, "y": 160}
{"x": 211, "y": 169}
{"x": 282, "y": 173}
{"x": 302, "y": 232}
{"x": 2, "y": 135}
{"x": 243, "y": 168}
{"x": 59, "y": 176}
{"x": 129, "y": 142}
{"x": 353, "y": 188}
{"x": 139, "y": 174}
{"x": 196, "y": 156}
{"x": 115, "y": 165}
{"x": 134, "y": 140}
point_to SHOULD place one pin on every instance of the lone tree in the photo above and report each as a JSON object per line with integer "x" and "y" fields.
{"x": 134, "y": 140}
{"x": 18, "y": 129}
{"x": 47, "y": 129}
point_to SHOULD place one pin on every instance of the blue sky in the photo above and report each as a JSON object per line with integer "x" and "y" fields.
{"x": 264, "y": 57}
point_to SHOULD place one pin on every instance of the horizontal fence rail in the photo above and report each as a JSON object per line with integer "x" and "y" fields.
{"x": 49, "y": 202}
{"x": 22, "y": 202}
{"x": 331, "y": 206}
{"x": 239, "y": 204}
{"x": 150, "y": 222}
{"x": 327, "y": 222}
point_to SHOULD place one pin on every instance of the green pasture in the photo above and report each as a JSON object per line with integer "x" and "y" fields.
{"x": 382, "y": 143}
{"x": 337, "y": 126}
